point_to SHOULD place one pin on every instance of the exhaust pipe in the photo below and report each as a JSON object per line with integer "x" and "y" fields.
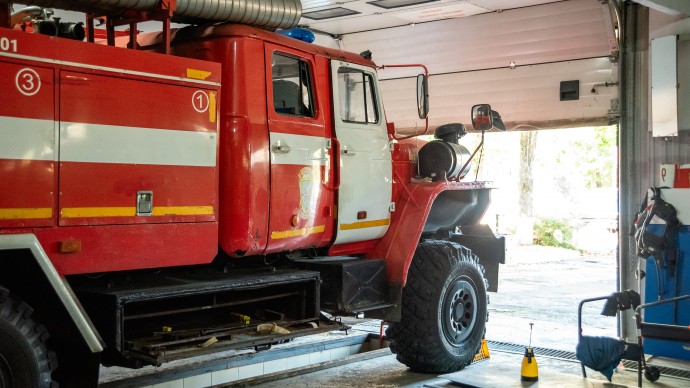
{"x": 73, "y": 31}
{"x": 46, "y": 27}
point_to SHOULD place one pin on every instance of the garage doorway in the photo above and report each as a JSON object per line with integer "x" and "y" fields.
{"x": 563, "y": 249}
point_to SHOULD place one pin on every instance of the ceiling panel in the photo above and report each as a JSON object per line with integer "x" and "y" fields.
{"x": 370, "y": 17}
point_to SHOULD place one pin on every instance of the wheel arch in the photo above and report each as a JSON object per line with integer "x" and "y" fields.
{"x": 454, "y": 208}
{"x": 423, "y": 209}
{"x": 28, "y": 273}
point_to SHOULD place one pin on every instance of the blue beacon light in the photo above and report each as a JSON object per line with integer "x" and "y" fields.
{"x": 298, "y": 33}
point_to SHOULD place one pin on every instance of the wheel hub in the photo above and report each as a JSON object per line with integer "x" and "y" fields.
{"x": 460, "y": 310}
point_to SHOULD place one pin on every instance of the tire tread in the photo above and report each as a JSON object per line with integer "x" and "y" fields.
{"x": 415, "y": 339}
{"x": 19, "y": 315}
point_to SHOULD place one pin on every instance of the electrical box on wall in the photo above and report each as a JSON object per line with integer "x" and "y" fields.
{"x": 670, "y": 57}
{"x": 570, "y": 90}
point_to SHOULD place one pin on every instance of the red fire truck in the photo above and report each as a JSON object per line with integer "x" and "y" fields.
{"x": 182, "y": 192}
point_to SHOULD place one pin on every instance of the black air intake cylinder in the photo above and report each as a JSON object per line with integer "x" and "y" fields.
{"x": 443, "y": 158}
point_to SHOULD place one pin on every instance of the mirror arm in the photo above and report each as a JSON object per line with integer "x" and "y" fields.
{"x": 426, "y": 74}
{"x": 481, "y": 143}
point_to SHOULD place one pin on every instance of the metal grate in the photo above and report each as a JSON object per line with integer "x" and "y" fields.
{"x": 664, "y": 370}
{"x": 570, "y": 356}
{"x": 515, "y": 348}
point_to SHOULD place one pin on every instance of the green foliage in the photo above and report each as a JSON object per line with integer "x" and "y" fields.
{"x": 597, "y": 157}
{"x": 553, "y": 232}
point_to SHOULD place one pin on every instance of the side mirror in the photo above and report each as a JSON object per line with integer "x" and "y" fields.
{"x": 482, "y": 119}
{"x": 422, "y": 96}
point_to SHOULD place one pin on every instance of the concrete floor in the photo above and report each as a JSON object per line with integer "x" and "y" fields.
{"x": 500, "y": 371}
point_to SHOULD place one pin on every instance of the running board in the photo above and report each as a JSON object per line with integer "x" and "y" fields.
{"x": 374, "y": 307}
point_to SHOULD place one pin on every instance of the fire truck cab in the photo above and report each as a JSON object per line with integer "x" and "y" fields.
{"x": 154, "y": 202}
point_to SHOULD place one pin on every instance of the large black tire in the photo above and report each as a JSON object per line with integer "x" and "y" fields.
{"x": 25, "y": 362}
{"x": 444, "y": 309}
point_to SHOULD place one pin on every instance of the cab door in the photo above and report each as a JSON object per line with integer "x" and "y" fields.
{"x": 301, "y": 197}
{"x": 364, "y": 195}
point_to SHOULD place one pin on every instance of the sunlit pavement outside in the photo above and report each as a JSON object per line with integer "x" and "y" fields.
{"x": 544, "y": 285}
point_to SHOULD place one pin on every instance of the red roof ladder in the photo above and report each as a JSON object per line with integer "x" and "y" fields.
{"x": 163, "y": 13}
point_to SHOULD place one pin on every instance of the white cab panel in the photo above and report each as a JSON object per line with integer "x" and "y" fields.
{"x": 365, "y": 157}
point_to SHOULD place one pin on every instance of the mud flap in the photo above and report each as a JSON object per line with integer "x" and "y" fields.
{"x": 490, "y": 249}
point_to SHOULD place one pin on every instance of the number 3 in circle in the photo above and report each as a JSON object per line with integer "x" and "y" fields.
{"x": 28, "y": 82}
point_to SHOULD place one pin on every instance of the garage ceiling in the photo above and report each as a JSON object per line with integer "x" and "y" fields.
{"x": 367, "y": 15}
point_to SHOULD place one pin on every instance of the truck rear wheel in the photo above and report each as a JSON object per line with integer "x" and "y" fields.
{"x": 25, "y": 362}
{"x": 444, "y": 309}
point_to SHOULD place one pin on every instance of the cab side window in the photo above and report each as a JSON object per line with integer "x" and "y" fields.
{"x": 292, "y": 88}
{"x": 357, "y": 96}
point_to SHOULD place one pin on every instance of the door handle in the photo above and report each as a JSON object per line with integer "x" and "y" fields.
{"x": 280, "y": 148}
{"x": 335, "y": 164}
{"x": 346, "y": 152}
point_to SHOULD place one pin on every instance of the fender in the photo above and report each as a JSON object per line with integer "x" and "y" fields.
{"x": 57, "y": 283}
{"x": 428, "y": 207}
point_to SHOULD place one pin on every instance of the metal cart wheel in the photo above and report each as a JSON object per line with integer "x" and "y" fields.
{"x": 651, "y": 373}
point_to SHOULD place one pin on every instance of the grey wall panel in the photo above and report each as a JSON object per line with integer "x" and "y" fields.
{"x": 641, "y": 153}
{"x": 665, "y": 150}
{"x": 662, "y": 150}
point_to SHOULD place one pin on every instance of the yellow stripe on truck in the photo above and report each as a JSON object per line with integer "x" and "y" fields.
{"x": 365, "y": 224}
{"x": 212, "y": 107}
{"x": 99, "y": 212}
{"x": 25, "y": 213}
{"x": 95, "y": 212}
{"x": 297, "y": 232}
{"x": 182, "y": 210}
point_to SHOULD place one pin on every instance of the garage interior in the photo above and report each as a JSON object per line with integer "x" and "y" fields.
{"x": 514, "y": 54}
{"x": 545, "y": 65}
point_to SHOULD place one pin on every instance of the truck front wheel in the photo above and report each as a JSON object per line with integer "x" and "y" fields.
{"x": 25, "y": 362}
{"x": 444, "y": 309}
